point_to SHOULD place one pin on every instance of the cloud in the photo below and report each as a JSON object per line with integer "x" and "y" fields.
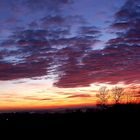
{"x": 121, "y": 25}
{"x": 63, "y": 45}
{"x": 118, "y": 62}
{"x": 8, "y": 95}
{"x": 79, "y": 96}
{"x": 87, "y": 30}
{"x": 61, "y": 22}
{"x": 128, "y": 15}
{"x": 29, "y": 53}
{"x": 127, "y": 21}
{"x": 36, "y": 98}
{"x": 111, "y": 65}
{"x": 46, "y": 4}
{"x": 23, "y": 70}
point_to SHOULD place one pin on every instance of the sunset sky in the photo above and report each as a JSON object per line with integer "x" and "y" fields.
{"x": 58, "y": 53}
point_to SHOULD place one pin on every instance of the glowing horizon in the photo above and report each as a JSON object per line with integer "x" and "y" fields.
{"x": 40, "y": 96}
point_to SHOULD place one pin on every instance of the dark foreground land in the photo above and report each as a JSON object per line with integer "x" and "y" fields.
{"x": 118, "y": 118}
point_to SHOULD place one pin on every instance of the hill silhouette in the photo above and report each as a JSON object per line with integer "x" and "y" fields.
{"x": 86, "y": 117}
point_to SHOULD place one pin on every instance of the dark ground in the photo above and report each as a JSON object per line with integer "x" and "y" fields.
{"x": 116, "y": 120}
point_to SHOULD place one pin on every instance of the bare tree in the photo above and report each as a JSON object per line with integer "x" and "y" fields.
{"x": 117, "y": 93}
{"x": 128, "y": 97}
{"x": 136, "y": 94}
{"x": 131, "y": 95}
{"x": 103, "y": 95}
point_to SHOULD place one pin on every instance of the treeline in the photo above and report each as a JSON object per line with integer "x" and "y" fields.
{"x": 117, "y": 95}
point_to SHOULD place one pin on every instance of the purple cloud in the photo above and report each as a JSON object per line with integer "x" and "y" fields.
{"x": 56, "y": 41}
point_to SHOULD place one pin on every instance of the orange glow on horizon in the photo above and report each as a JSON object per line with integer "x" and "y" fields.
{"x": 36, "y": 95}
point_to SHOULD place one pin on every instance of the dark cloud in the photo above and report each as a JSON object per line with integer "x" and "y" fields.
{"x": 127, "y": 20}
{"x": 64, "y": 45}
{"x": 111, "y": 65}
{"x": 128, "y": 15}
{"x": 121, "y": 25}
{"x": 128, "y": 38}
{"x": 118, "y": 62}
{"x": 89, "y": 31}
{"x": 33, "y": 52}
{"x": 24, "y": 55}
{"x": 29, "y": 12}
{"x": 23, "y": 70}
{"x": 61, "y": 22}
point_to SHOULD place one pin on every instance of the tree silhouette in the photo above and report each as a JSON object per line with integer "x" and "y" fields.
{"x": 131, "y": 95}
{"x": 117, "y": 93}
{"x": 103, "y": 95}
{"x": 128, "y": 97}
{"x": 136, "y": 94}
